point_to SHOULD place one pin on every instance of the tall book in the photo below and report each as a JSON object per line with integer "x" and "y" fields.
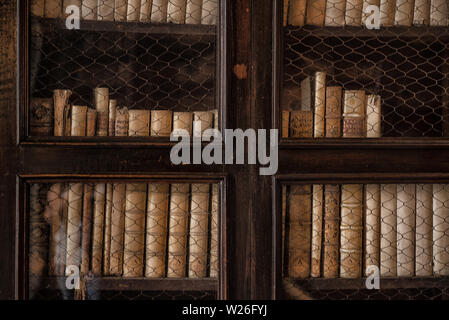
{"x": 372, "y": 226}
{"x": 98, "y": 227}
{"x": 439, "y": 13}
{"x": 331, "y": 230}
{"x": 335, "y": 13}
{"x": 368, "y": 15}
{"x": 301, "y": 122}
{"x": 296, "y": 12}
{"x": 406, "y": 215}
{"x": 105, "y": 10}
{"x": 203, "y": 120}
{"x": 441, "y": 230}
{"x": 101, "y": 102}
{"x": 404, "y": 12}
{"x": 421, "y": 12}
{"x": 133, "y": 10}
{"x": 112, "y": 116}
{"x": 285, "y": 123}
{"x": 351, "y": 231}
{"x": 209, "y": 13}
{"x": 79, "y": 121}
{"x": 134, "y": 248}
{"x": 37, "y": 8}
{"x": 299, "y": 231}
{"x": 388, "y": 230}
{"x": 139, "y": 123}
{"x": 60, "y": 101}
{"x": 214, "y": 254}
{"x": 387, "y": 12}
{"x": 53, "y": 8}
{"x": 317, "y": 229}
{"x": 120, "y": 10}
{"x": 157, "y": 220}
{"x": 161, "y": 123}
{"x": 320, "y": 105}
{"x": 373, "y": 116}
{"x": 354, "y": 114}
{"x": 315, "y": 12}
{"x": 91, "y": 122}
{"x": 159, "y": 11}
{"x": 182, "y": 121}
{"x": 177, "y": 231}
{"x": 353, "y": 14}
{"x": 107, "y": 230}
{"x": 41, "y": 117}
{"x": 75, "y": 210}
{"x": 176, "y": 11}
{"x": 145, "y": 10}
{"x": 424, "y": 229}
{"x": 333, "y": 112}
{"x": 117, "y": 228}
{"x": 194, "y": 11}
{"x": 86, "y": 230}
{"x": 89, "y": 9}
{"x": 199, "y": 230}
{"x": 122, "y": 122}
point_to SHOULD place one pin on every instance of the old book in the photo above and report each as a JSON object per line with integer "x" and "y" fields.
{"x": 139, "y": 123}
{"x": 406, "y": 216}
{"x": 424, "y": 229}
{"x": 86, "y": 228}
{"x": 296, "y": 12}
{"x": 37, "y": 8}
{"x": 202, "y": 120}
{"x": 353, "y": 14}
{"x": 351, "y": 231}
{"x": 157, "y": 221}
{"x": 107, "y": 230}
{"x": 441, "y": 230}
{"x": 439, "y": 13}
{"x": 199, "y": 230}
{"x": 101, "y": 102}
{"x": 301, "y": 124}
{"x": 145, "y": 10}
{"x": 105, "y": 10}
{"x": 121, "y": 122}
{"x": 54, "y": 212}
{"x": 372, "y": 226}
{"x": 161, "y": 121}
{"x": 285, "y": 13}
{"x": 404, "y": 12}
{"x": 214, "y": 254}
{"x": 300, "y": 216}
{"x": 285, "y": 123}
{"x": 120, "y": 10}
{"x": 354, "y": 114}
{"x": 98, "y": 227}
{"x": 333, "y": 112}
{"x": 41, "y": 117}
{"x": 60, "y": 101}
{"x": 421, "y": 15}
{"x": 112, "y": 116}
{"x": 176, "y": 11}
{"x": 177, "y": 230}
{"x": 315, "y": 12}
{"x": 67, "y": 120}
{"x": 91, "y": 122}
{"x": 136, "y": 201}
{"x": 89, "y": 9}
{"x": 182, "y": 121}
{"x": 79, "y": 121}
{"x": 133, "y": 10}
{"x": 74, "y": 215}
{"x": 335, "y": 13}
{"x": 366, "y": 14}
{"x": 388, "y": 228}
{"x": 331, "y": 230}
{"x": 117, "y": 228}
{"x": 373, "y": 116}
{"x": 53, "y": 8}
{"x": 194, "y": 10}
{"x": 387, "y": 12}
{"x": 317, "y": 229}
{"x": 159, "y": 11}
{"x": 209, "y": 13}
{"x": 319, "y": 105}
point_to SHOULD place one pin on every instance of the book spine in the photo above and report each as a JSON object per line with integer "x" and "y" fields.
{"x": 53, "y": 8}
{"x": 320, "y": 104}
{"x": 199, "y": 230}
{"x": 117, "y": 228}
{"x": 387, "y": 12}
{"x": 89, "y": 9}
{"x": 301, "y": 124}
{"x": 299, "y": 231}
{"x": 133, "y": 10}
{"x": 388, "y": 230}
{"x": 177, "y": 234}
{"x": 194, "y": 11}
{"x": 209, "y": 13}
{"x": 440, "y": 230}
{"x": 74, "y": 215}
{"x": 120, "y": 10}
{"x": 139, "y": 123}
{"x": 404, "y": 13}
{"x": 41, "y": 122}
{"x": 159, "y": 11}
{"x": 182, "y": 121}
{"x": 79, "y": 121}
{"x": 53, "y": 212}
{"x": 353, "y": 15}
{"x": 331, "y": 230}
{"x": 60, "y": 100}
{"x": 86, "y": 228}
{"x": 145, "y": 10}
{"x": 37, "y": 8}
{"x": 91, "y": 122}
{"x": 156, "y": 241}
{"x": 406, "y": 215}
{"x": 136, "y": 199}
{"x": 98, "y": 227}
{"x": 285, "y": 123}
{"x": 438, "y": 13}
{"x": 315, "y": 12}
{"x": 214, "y": 242}
{"x": 285, "y": 13}
{"x": 101, "y": 100}
{"x": 372, "y": 226}
{"x": 421, "y": 14}
{"x": 203, "y": 120}
{"x": 107, "y": 230}
{"x": 122, "y": 122}
{"x": 367, "y": 3}
{"x": 161, "y": 123}
{"x": 335, "y": 13}
{"x": 373, "y": 116}
{"x": 176, "y": 11}
{"x": 354, "y": 114}
{"x": 112, "y": 117}
{"x": 105, "y": 10}
{"x": 424, "y": 226}
{"x": 297, "y": 12}
{"x": 333, "y": 112}
{"x": 317, "y": 230}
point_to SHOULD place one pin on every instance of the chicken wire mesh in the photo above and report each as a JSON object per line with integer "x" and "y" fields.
{"x": 334, "y": 237}
{"x": 83, "y": 232}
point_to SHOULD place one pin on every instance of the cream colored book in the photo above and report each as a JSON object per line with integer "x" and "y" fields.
{"x": 354, "y": 114}
{"x": 60, "y": 101}
{"x": 75, "y": 211}
{"x": 133, "y": 10}
{"x": 319, "y": 130}
{"x": 91, "y": 122}
{"x": 406, "y": 215}
{"x": 177, "y": 230}
{"x": 101, "y": 102}
{"x": 139, "y": 123}
{"x": 112, "y": 117}
{"x": 365, "y": 15}
{"x": 122, "y": 122}
{"x": 182, "y": 121}
{"x": 404, "y": 13}
{"x": 117, "y": 228}
{"x": 372, "y": 226}
{"x": 353, "y": 14}
{"x": 203, "y": 120}
{"x": 387, "y": 12}
{"x": 214, "y": 253}
{"x": 176, "y": 11}
{"x": 98, "y": 227}
{"x": 86, "y": 228}
{"x": 439, "y": 13}
{"x": 159, "y": 11}
{"x": 135, "y": 213}
{"x": 285, "y": 123}
{"x": 388, "y": 230}
{"x": 89, "y": 9}
{"x": 161, "y": 123}
{"x": 421, "y": 12}
{"x": 424, "y": 229}
{"x": 317, "y": 229}
{"x": 296, "y": 12}
{"x": 331, "y": 230}
{"x": 315, "y": 12}
{"x": 145, "y": 10}
{"x": 209, "y": 13}
{"x": 79, "y": 121}
{"x": 105, "y": 10}
{"x": 194, "y": 11}
{"x": 199, "y": 230}
{"x": 373, "y": 116}
{"x": 440, "y": 230}
{"x": 351, "y": 231}
{"x": 37, "y": 8}
{"x": 53, "y": 8}
{"x": 333, "y": 112}
{"x": 335, "y": 13}
{"x": 157, "y": 222}
{"x": 107, "y": 230}
{"x": 120, "y": 10}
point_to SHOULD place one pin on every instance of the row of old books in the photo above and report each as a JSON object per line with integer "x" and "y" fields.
{"x": 124, "y": 229}
{"x": 154, "y": 11}
{"x": 60, "y": 118}
{"x": 322, "y": 115}
{"x": 339, "y": 13}
{"x": 342, "y": 231}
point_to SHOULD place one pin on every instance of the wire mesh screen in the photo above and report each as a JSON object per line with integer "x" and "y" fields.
{"x": 126, "y": 233}
{"x": 365, "y": 241}
{"x": 406, "y": 67}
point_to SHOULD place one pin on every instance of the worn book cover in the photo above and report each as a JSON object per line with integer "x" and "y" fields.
{"x": 331, "y": 230}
